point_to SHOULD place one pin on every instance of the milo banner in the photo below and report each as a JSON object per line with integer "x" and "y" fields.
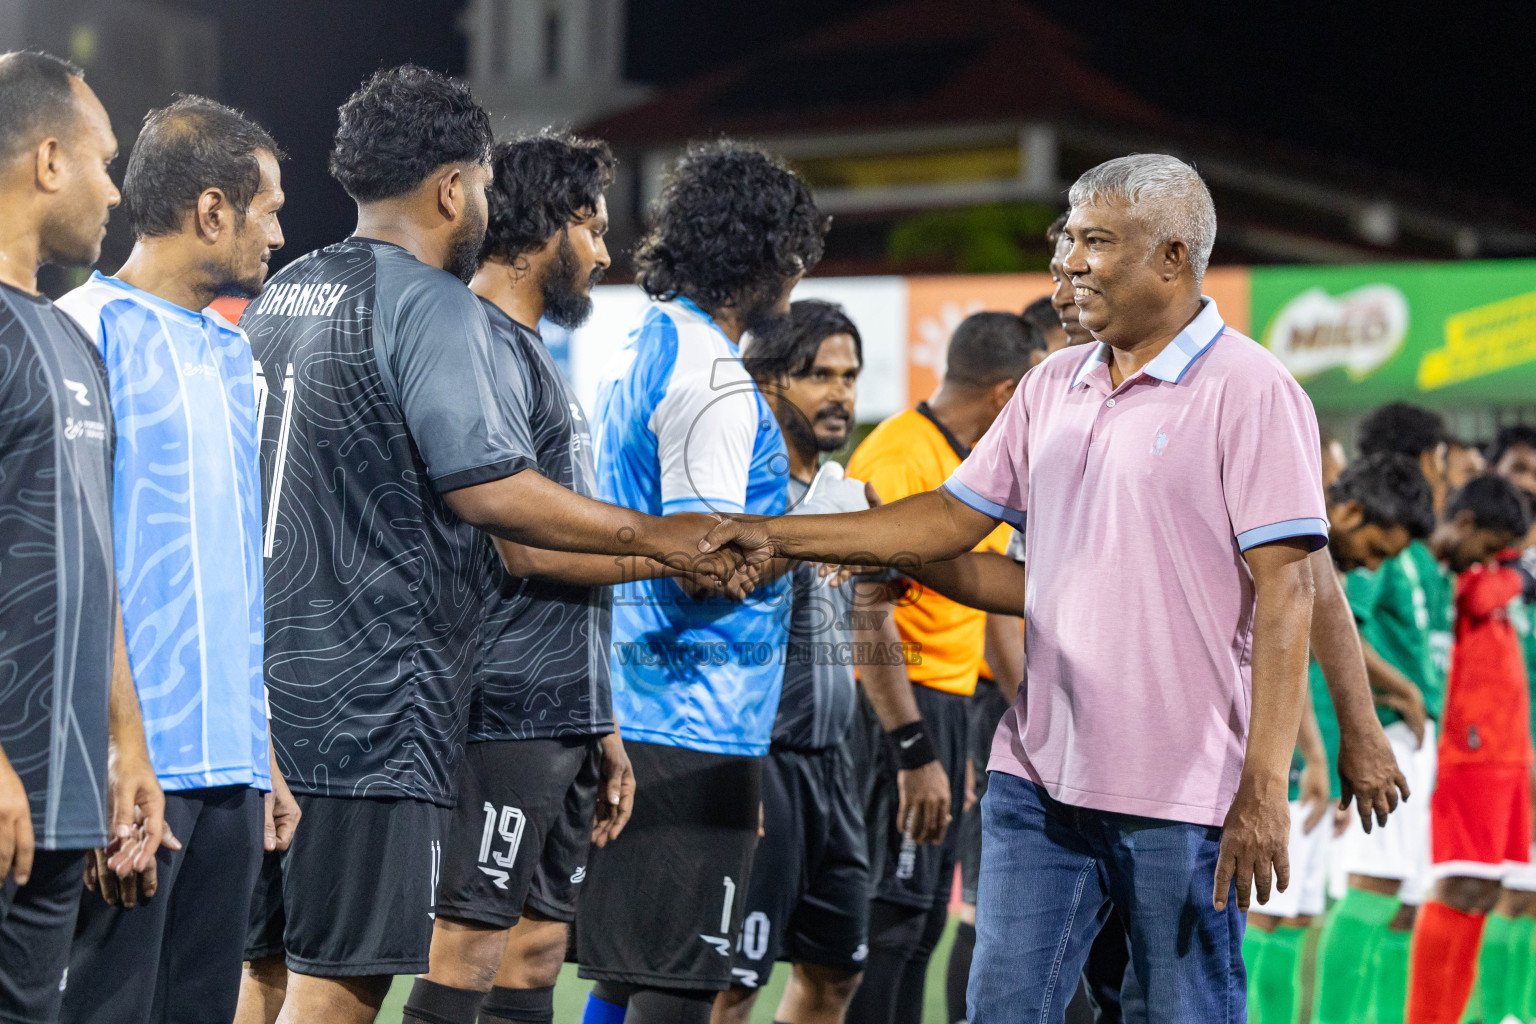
{"x": 1450, "y": 334}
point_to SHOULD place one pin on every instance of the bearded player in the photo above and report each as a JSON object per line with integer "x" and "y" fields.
{"x": 542, "y": 738}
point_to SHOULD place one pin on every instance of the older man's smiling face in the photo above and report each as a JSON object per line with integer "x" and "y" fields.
{"x": 1115, "y": 270}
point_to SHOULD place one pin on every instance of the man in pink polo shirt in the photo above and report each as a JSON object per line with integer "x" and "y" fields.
{"x": 1171, "y": 483}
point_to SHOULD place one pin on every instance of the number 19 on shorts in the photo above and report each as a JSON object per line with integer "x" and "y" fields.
{"x": 502, "y": 825}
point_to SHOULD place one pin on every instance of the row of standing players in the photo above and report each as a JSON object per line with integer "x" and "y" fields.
{"x": 387, "y": 430}
{"x": 294, "y": 517}
{"x": 1442, "y": 895}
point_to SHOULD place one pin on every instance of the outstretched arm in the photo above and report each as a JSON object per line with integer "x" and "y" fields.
{"x": 984, "y": 580}
{"x": 907, "y": 534}
{"x": 581, "y": 570}
{"x": 532, "y": 510}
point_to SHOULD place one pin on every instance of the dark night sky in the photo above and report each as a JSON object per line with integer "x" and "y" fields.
{"x": 1440, "y": 93}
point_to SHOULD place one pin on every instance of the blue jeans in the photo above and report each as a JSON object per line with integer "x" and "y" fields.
{"x": 1048, "y": 873}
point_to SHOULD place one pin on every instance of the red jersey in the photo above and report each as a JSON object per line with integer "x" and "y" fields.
{"x": 1487, "y": 703}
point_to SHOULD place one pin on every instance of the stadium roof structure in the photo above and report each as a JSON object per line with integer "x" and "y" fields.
{"x": 909, "y": 64}
{"x": 919, "y": 106}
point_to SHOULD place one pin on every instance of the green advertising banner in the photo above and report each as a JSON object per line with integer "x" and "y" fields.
{"x": 1447, "y": 334}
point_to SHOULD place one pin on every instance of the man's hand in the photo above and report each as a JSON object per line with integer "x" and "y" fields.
{"x": 282, "y": 814}
{"x": 736, "y": 587}
{"x": 1314, "y": 795}
{"x": 119, "y": 891}
{"x": 1369, "y": 775}
{"x": 1254, "y": 842}
{"x": 678, "y": 541}
{"x": 126, "y": 890}
{"x": 617, "y": 789}
{"x": 970, "y": 786}
{"x": 125, "y": 871}
{"x": 748, "y": 537}
{"x": 16, "y": 841}
{"x": 137, "y": 826}
{"x": 924, "y": 811}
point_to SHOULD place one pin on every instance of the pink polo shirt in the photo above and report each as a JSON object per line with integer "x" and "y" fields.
{"x": 1141, "y": 500}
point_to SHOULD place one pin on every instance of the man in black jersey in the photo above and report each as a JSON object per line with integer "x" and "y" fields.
{"x": 807, "y": 900}
{"x": 385, "y": 446}
{"x": 66, "y": 692}
{"x": 542, "y": 737}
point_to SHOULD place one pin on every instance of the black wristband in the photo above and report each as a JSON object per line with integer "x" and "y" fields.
{"x": 913, "y": 747}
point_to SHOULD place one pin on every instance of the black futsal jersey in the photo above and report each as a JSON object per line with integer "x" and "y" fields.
{"x": 58, "y": 591}
{"x": 545, "y": 671}
{"x": 380, "y": 397}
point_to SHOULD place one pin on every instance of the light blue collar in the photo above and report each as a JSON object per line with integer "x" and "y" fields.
{"x": 1172, "y": 362}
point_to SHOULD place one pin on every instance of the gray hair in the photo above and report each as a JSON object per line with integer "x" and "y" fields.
{"x": 1168, "y": 194}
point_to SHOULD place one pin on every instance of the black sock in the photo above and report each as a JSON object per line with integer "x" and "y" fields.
{"x": 519, "y": 1006}
{"x": 914, "y": 978}
{"x": 895, "y": 931}
{"x": 431, "y": 1003}
{"x": 959, "y": 972}
{"x": 669, "y": 1006}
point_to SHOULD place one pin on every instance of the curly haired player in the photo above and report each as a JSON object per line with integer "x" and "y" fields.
{"x": 681, "y": 427}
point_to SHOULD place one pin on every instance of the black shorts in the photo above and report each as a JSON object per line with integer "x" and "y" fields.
{"x": 808, "y": 901}
{"x": 37, "y": 925}
{"x": 904, "y": 872}
{"x": 987, "y": 707}
{"x": 354, "y": 895}
{"x": 520, "y": 833}
{"x": 662, "y": 904}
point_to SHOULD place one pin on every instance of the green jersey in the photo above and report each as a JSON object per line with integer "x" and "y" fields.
{"x": 1405, "y": 612}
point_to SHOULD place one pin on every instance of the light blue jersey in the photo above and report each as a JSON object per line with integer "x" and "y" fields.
{"x": 187, "y": 530}
{"x": 680, "y": 427}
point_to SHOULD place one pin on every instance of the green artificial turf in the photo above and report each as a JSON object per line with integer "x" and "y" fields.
{"x": 571, "y": 992}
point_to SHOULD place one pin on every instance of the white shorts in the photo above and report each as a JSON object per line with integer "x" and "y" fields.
{"x": 1398, "y": 850}
{"x": 1523, "y": 877}
{"x": 1307, "y": 895}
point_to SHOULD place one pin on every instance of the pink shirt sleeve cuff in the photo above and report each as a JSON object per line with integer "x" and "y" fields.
{"x": 1012, "y": 516}
{"x": 1314, "y": 530}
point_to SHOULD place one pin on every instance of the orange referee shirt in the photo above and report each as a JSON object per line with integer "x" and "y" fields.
{"x": 909, "y": 453}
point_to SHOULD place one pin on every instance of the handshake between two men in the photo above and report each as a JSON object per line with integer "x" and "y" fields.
{"x": 927, "y": 536}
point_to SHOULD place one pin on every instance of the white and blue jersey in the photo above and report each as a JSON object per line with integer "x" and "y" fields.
{"x": 681, "y": 428}
{"x": 186, "y": 511}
